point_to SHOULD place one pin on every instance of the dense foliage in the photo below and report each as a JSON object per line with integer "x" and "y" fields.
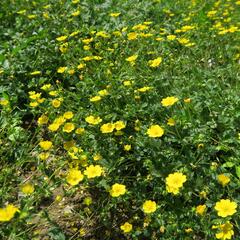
{"x": 119, "y": 119}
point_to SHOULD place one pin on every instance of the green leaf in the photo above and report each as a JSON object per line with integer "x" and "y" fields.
{"x": 238, "y": 171}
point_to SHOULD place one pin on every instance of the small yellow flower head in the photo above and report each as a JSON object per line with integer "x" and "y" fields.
{"x": 223, "y": 179}
{"x": 117, "y": 190}
{"x": 201, "y": 209}
{"x": 74, "y": 176}
{"x": 80, "y": 131}
{"x": 87, "y": 201}
{"x": 127, "y": 147}
{"x": 44, "y": 155}
{"x": 68, "y": 115}
{"x": 53, "y": 127}
{"x": 107, "y": 128}
{"x": 61, "y": 38}
{"x": 144, "y": 89}
{"x": 171, "y": 122}
{"x": 126, "y": 227}
{"x": 155, "y": 62}
{"x": 187, "y": 100}
{"x": 61, "y": 69}
{"x": 188, "y": 230}
{"x": 93, "y": 171}
{"x": 169, "y": 101}
{"x": 56, "y": 103}
{"x": 119, "y": 125}
{"x": 155, "y": 131}
{"x": 46, "y": 87}
{"x": 226, "y": 231}
{"x": 43, "y": 120}
{"x": 225, "y": 208}
{"x": 132, "y": 58}
{"x": 27, "y": 188}
{"x": 4, "y": 102}
{"x": 174, "y": 182}
{"x": 68, "y": 127}
{"x": 132, "y": 36}
{"x": 97, "y": 157}
{"x": 114, "y": 14}
{"x": 127, "y": 83}
{"x": 45, "y": 145}
{"x": 95, "y": 99}
{"x": 149, "y": 206}
{"x": 7, "y": 213}
{"x": 103, "y": 92}
{"x": 93, "y": 120}
{"x": 76, "y": 13}
{"x": 171, "y": 37}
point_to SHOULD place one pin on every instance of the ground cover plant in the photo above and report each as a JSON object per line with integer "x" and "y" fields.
{"x": 119, "y": 119}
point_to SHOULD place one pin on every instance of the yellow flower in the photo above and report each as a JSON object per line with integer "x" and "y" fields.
{"x": 7, "y": 213}
{"x": 132, "y": 58}
{"x": 171, "y": 37}
{"x": 127, "y": 83}
{"x": 107, "y": 128}
{"x": 53, "y": 127}
{"x": 93, "y": 171}
{"x": 56, "y": 103}
{"x": 155, "y": 62}
{"x": 68, "y": 127}
{"x": 4, "y": 102}
{"x": 34, "y": 104}
{"x": 103, "y": 92}
{"x": 171, "y": 122}
{"x": 187, "y": 100}
{"x": 68, "y": 115}
{"x": 27, "y": 188}
{"x": 223, "y": 179}
{"x": 44, "y": 155}
{"x": 144, "y": 89}
{"x": 126, "y": 227}
{"x": 127, "y": 147}
{"x": 61, "y": 38}
{"x": 119, "y": 125}
{"x": 132, "y": 36}
{"x": 201, "y": 209}
{"x": 61, "y": 69}
{"x": 97, "y": 157}
{"x": 117, "y": 190}
{"x": 74, "y": 176}
{"x": 46, "y": 87}
{"x": 81, "y": 66}
{"x": 45, "y": 145}
{"x": 93, "y": 120}
{"x": 43, "y": 120}
{"x": 174, "y": 181}
{"x": 149, "y": 206}
{"x": 95, "y": 99}
{"x": 226, "y": 231}
{"x": 225, "y": 208}
{"x": 114, "y": 14}
{"x": 155, "y": 131}
{"x": 169, "y": 101}
{"x": 79, "y": 130}
{"x": 75, "y": 14}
